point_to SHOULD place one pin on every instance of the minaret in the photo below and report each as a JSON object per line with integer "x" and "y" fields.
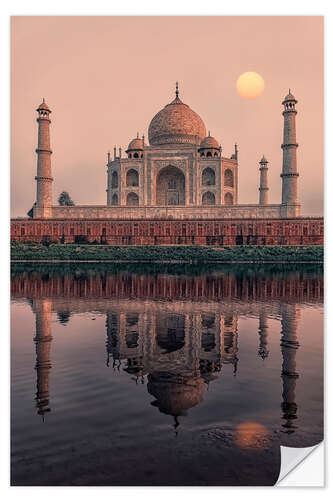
{"x": 290, "y": 201}
{"x": 263, "y": 333}
{"x": 43, "y": 205}
{"x": 108, "y": 180}
{"x": 263, "y": 188}
{"x": 43, "y": 338}
{"x": 289, "y": 346}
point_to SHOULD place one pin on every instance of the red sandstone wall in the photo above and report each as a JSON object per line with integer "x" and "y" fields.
{"x": 299, "y": 231}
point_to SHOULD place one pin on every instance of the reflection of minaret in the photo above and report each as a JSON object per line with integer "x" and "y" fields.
{"x": 263, "y": 331}
{"x": 112, "y": 338}
{"x": 42, "y": 309}
{"x": 230, "y": 341}
{"x": 289, "y": 346}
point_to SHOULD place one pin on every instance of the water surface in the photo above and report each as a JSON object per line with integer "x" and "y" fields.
{"x": 167, "y": 375}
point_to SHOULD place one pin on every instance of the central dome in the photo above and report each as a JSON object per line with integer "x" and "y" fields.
{"x": 176, "y": 123}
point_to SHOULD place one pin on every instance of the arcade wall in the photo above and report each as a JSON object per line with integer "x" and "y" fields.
{"x": 219, "y": 232}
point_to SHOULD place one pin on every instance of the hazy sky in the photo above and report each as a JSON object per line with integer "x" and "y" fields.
{"x": 104, "y": 79}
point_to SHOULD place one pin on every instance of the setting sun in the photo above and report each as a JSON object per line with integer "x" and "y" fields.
{"x": 250, "y": 85}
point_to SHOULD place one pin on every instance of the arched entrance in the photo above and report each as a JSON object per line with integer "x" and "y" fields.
{"x": 132, "y": 178}
{"x": 114, "y": 200}
{"x": 208, "y": 177}
{"x": 170, "y": 186}
{"x": 114, "y": 181}
{"x": 228, "y": 199}
{"x": 228, "y": 178}
{"x": 132, "y": 199}
{"x": 208, "y": 198}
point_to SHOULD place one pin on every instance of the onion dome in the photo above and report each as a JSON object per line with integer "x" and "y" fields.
{"x": 209, "y": 146}
{"x": 209, "y": 142}
{"x": 176, "y": 123}
{"x": 136, "y": 144}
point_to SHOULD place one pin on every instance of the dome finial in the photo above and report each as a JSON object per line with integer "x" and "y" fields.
{"x": 177, "y": 91}
{"x": 137, "y": 135}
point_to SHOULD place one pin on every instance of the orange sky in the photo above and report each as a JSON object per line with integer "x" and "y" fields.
{"x": 105, "y": 77}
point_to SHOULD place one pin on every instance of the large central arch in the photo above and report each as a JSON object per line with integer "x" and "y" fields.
{"x": 170, "y": 186}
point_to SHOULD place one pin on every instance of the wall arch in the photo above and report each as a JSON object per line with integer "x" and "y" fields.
{"x": 114, "y": 180}
{"x": 208, "y": 177}
{"x": 228, "y": 199}
{"x": 132, "y": 178}
{"x": 208, "y": 198}
{"x": 228, "y": 178}
{"x": 132, "y": 200}
{"x": 115, "y": 199}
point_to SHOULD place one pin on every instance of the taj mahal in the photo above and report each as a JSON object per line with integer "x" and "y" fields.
{"x": 183, "y": 166}
{"x": 181, "y": 188}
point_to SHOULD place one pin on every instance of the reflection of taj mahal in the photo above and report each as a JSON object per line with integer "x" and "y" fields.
{"x": 180, "y": 353}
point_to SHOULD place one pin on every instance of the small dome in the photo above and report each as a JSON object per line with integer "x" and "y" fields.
{"x": 209, "y": 142}
{"x": 263, "y": 159}
{"x": 135, "y": 144}
{"x": 43, "y": 106}
{"x": 289, "y": 97}
{"x": 176, "y": 123}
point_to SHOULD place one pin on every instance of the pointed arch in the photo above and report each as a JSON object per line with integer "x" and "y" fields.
{"x": 208, "y": 177}
{"x": 208, "y": 198}
{"x": 132, "y": 178}
{"x": 228, "y": 178}
{"x": 170, "y": 186}
{"x": 114, "y": 199}
{"x": 228, "y": 199}
{"x": 114, "y": 180}
{"x": 132, "y": 199}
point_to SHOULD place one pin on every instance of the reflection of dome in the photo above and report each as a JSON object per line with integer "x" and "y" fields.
{"x": 209, "y": 142}
{"x": 176, "y": 123}
{"x": 175, "y": 393}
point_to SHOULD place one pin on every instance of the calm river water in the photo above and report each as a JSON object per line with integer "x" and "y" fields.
{"x": 167, "y": 375}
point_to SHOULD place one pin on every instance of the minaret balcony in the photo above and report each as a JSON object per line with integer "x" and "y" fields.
{"x": 289, "y": 144}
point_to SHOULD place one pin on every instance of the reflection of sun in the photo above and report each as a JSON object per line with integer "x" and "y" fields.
{"x": 250, "y": 85}
{"x": 251, "y": 435}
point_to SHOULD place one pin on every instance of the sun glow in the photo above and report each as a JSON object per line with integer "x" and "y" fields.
{"x": 250, "y": 85}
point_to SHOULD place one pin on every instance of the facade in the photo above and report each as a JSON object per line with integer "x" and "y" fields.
{"x": 181, "y": 176}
